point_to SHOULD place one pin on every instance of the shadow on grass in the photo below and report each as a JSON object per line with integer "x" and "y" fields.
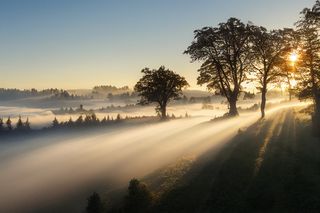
{"x": 227, "y": 179}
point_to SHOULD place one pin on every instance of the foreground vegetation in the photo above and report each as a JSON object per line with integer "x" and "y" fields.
{"x": 270, "y": 167}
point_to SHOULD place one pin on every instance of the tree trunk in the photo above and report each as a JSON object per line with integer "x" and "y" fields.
{"x": 233, "y": 111}
{"x": 290, "y": 92}
{"x": 263, "y": 102}
{"x": 317, "y": 105}
{"x": 163, "y": 110}
{"x": 289, "y": 87}
{"x": 316, "y": 115}
{"x": 316, "y": 124}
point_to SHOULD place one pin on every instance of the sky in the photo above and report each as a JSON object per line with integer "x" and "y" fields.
{"x": 77, "y": 44}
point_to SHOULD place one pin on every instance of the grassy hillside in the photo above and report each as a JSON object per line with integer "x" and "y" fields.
{"x": 273, "y": 166}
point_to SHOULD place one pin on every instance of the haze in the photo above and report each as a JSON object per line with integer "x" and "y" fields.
{"x": 160, "y": 106}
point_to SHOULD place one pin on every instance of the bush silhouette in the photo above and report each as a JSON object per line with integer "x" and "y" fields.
{"x": 94, "y": 204}
{"x": 139, "y": 198}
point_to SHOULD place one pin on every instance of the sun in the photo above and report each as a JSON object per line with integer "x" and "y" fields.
{"x": 293, "y": 82}
{"x": 293, "y": 57}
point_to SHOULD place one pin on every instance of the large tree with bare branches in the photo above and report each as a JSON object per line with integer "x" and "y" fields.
{"x": 225, "y": 53}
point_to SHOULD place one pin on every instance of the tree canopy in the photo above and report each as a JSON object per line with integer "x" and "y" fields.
{"x": 226, "y": 56}
{"x": 160, "y": 86}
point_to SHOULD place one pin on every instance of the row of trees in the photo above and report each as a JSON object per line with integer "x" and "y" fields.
{"x": 87, "y": 120}
{"x": 19, "y": 126}
{"x": 54, "y": 93}
{"x": 93, "y": 120}
{"x": 234, "y": 53}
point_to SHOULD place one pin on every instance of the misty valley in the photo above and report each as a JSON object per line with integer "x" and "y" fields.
{"x": 160, "y": 107}
{"x": 55, "y": 164}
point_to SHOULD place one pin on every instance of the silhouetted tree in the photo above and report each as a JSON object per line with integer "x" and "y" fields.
{"x": 118, "y": 118}
{"x": 87, "y": 119}
{"x": 9, "y": 124}
{"x": 70, "y": 122}
{"x": 308, "y": 28}
{"x": 94, "y": 204}
{"x": 19, "y": 125}
{"x": 268, "y": 48}
{"x": 1, "y": 124}
{"x": 104, "y": 120}
{"x": 160, "y": 86}
{"x": 94, "y": 119}
{"x": 79, "y": 121}
{"x": 55, "y": 123}
{"x": 139, "y": 198}
{"x": 226, "y": 56}
{"x": 27, "y": 124}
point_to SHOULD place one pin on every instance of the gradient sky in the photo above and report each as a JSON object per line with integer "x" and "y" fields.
{"x": 82, "y": 43}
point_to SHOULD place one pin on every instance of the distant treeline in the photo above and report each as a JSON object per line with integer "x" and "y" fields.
{"x": 83, "y": 121}
{"x": 110, "y": 89}
{"x": 86, "y": 121}
{"x": 92, "y": 120}
{"x": 54, "y": 93}
{"x": 82, "y": 110}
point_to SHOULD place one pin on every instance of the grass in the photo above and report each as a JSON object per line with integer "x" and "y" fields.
{"x": 273, "y": 166}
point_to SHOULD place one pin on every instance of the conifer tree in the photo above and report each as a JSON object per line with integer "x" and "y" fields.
{"x": 27, "y": 125}
{"x": 9, "y": 124}
{"x": 19, "y": 125}
{"x": 55, "y": 123}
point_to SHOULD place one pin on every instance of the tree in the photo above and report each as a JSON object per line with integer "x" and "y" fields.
{"x": 104, "y": 120}
{"x": 226, "y": 56}
{"x": 19, "y": 125}
{"x": 27, "y": 124}
{"x": 55, "y": 123}
{"x": 87, "y": 119}
{"x": 118, "y": 118}
{"x": 139, "y": 198}
{"x": 160, "y": 86}
{"x": 268, "y": 48}
{"x": 1, "y": 125}
{"x": 308, "y": 28}
{"x": 9, "y": 124}
{"x": 94, "y": 119}
{"x": 288, "y": 73}
{"x": 70, "y": 122}
{"x": 94, "y": 204}
{"x": 79, "y": 120}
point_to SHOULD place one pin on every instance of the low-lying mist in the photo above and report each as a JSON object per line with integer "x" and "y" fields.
{"x": 49, "y": 168}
